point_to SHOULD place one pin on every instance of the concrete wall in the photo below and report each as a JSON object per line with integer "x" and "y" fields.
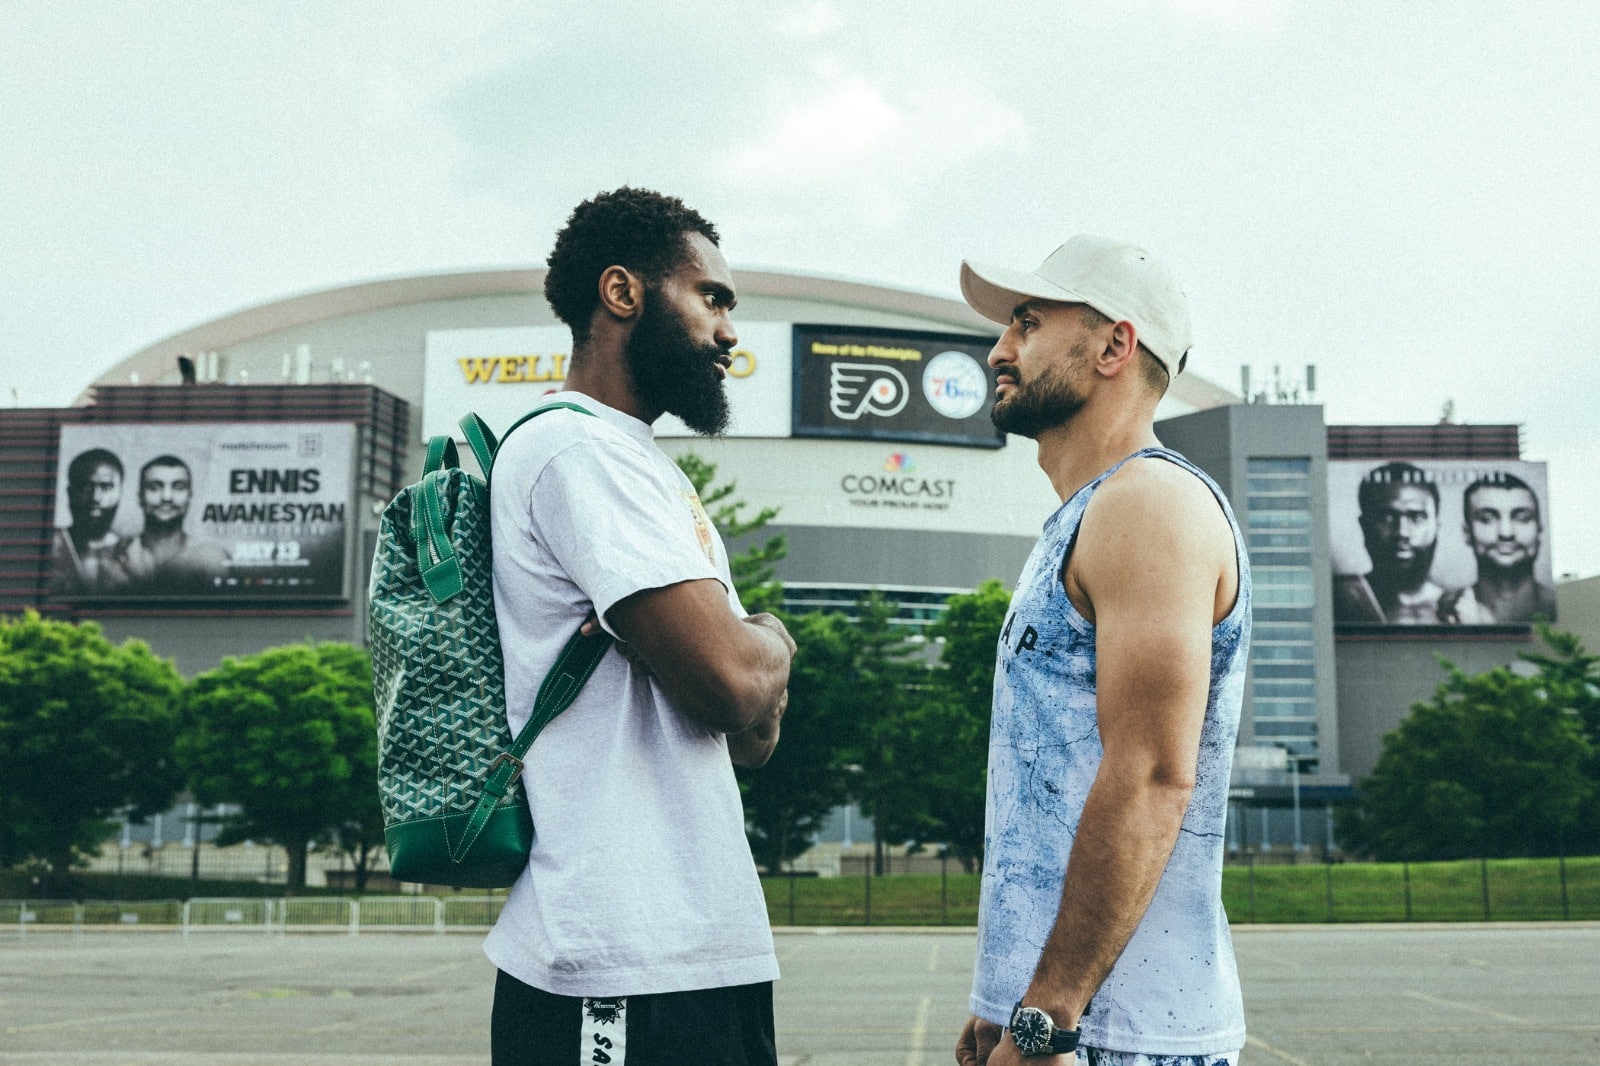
{"x": 917, "y": 558}
{"x": 1380, "y": 678}
{"x": 1578, "y": 610}
{"x": 198, "y": 644}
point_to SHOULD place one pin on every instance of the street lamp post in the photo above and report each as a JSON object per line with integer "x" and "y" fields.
{"x": 1294, "y": 786}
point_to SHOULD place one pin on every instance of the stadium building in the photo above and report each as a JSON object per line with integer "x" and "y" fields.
{"x": 860, "y": 413}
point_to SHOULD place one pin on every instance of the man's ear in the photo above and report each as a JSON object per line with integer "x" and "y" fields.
{"x": 1120, "y": 351}
{"x": 621, "y": 292}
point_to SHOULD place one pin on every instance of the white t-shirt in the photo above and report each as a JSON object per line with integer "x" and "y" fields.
{"x": 641, "y": 879}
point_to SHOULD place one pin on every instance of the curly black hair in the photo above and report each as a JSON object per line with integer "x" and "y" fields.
{"x": 640, "y": 229}
{"x": 84, "y": 464}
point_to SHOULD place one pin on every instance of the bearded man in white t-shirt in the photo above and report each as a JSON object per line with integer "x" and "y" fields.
{"x": 639, "y": 924}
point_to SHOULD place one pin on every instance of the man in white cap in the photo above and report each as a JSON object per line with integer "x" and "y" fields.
{"x": 1118, "y": 685}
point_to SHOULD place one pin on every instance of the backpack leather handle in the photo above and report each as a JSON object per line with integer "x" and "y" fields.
{"x": 441, "y": 455}
{"x": 436, "y": 556}
{"x": 481, "y": 439}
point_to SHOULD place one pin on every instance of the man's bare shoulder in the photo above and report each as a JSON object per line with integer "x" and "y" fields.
{"x": 1153, "y": 516}
{"x": 1160, "y": 496}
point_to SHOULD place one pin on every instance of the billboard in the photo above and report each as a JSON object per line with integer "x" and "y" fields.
{"x": 502, "y": 374}
{"x": 223, "y": 511}
{"x": 900, "y": 385}
{"x": 1440, "y": 542}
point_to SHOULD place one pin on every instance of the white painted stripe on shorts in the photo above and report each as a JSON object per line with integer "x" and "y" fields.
{"x": 603, "y": 1039}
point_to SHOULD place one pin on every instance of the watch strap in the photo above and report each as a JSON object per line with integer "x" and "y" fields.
{"x": 1064, "y": 1041}
{"x": 1060, "y": 1042}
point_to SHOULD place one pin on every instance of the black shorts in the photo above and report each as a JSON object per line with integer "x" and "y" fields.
{"x": 705, "y": 1027}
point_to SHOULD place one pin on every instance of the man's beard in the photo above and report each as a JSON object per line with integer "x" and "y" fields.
{"x": 672, "y": 373}
{"x": 94, "y": 524}
{"x": 1407, "y": 574}
{"x": 1516, "y": 572}
{"x": 162, "y": 527}
{"x": 1049, "y": 401}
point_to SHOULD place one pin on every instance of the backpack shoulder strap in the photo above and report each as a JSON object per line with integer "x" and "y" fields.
{"x": 485, "y": 446}
{"x": 560, "y": 687}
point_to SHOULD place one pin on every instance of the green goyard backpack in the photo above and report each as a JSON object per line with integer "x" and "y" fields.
{"x": 449, "y": 771}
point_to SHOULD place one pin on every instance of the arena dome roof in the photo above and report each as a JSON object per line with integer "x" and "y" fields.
{"x": 157, "y": 362}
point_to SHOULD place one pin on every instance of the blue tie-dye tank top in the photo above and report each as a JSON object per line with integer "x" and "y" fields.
{"x": 1175, "y": 989}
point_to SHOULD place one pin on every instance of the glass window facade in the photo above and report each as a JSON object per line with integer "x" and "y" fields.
{"x": 1283, "y": 686}
{"x": 914, "y": 608}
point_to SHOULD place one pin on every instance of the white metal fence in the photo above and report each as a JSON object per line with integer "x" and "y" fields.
{"x": 308, "y": 914}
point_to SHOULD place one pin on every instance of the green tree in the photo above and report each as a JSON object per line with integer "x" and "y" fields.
{"x": 754, "y": 568}
{"x": 288, "y": 734}
{"x": 870, "y": 721}
{"x": 787, "y": 800}
{"x": 888, "y": 696}
{"x": 1571, "y": 678}
{"x": 359, "y": 832}
{"x": 964, "y": 680}
{"x": 86, "y": 729}
{"x": 1495, "y": 765}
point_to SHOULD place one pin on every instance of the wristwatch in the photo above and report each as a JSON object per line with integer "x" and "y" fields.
{"x": 1036, "y": 1034}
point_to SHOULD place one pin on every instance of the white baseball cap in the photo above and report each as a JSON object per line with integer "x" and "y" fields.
{"x": 1122, "y": 281}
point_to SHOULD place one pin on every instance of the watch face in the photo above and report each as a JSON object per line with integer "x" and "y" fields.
{"x": 1031, "y": 1028}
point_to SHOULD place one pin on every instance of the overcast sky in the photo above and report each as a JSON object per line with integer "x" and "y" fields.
{"x": 1404, "y": 194}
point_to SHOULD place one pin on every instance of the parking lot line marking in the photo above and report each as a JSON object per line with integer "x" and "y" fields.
{"x": 444, "y": 967}
{"x": 933, "y": 957}
{"x": 102, "y": 1019}
{"x": 1257, "y": 1042}
{"x": 919, "y": 1032}
{"x": 1436, "y": 1001}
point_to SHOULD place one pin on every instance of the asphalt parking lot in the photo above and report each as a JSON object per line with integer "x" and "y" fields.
{"x": 1326, "y": 996}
